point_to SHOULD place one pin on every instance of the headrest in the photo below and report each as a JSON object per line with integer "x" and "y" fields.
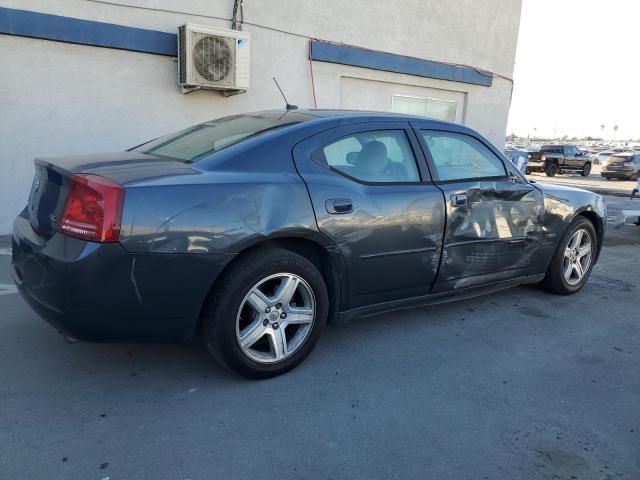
{"x": 374, "y": 149}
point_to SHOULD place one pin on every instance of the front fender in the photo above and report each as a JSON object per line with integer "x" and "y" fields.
{"x": 562, "y": 206}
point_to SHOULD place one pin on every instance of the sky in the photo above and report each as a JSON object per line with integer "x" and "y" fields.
{"x": 577, "y": 68}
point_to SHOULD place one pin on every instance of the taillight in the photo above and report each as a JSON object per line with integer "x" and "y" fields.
{"x": 543, "y": 158}
{"x": 94, "y": 209}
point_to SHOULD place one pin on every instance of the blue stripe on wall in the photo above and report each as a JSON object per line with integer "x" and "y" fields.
{"x": 86, "y": 32}
{"x": 389, "y": 62}
{"x": 73, "y": 30}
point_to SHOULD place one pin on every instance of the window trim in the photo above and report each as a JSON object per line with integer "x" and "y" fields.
{"x": 324, "y": 163}
{"x": 432, "y": 165}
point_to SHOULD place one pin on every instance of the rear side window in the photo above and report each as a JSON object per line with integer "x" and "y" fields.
{"x": 551, "y": 149}
{"x": 382, "y": 156}
{"x": 459, "y": 157}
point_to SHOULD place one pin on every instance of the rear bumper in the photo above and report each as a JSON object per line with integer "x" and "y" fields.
{"x": 617, "y": 173}
{"x": 99, "y": 292}
{"x": 535, "y": 166}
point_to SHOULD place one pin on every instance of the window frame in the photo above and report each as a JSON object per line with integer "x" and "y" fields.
{"x": 509, "y": 172}
{"x": 345, "y": 131}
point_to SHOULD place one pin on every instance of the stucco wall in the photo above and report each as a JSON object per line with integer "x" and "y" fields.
{"x": 58, "y": 98}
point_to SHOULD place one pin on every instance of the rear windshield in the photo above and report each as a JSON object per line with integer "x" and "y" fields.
{"x": 201, "y": 140}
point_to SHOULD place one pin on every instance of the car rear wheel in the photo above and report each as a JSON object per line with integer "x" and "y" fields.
{"x": 266, "y": 313}
{"x": 586, "y": 170}
{"x": 551, "y": 170}
{"x": 573, "y": 260}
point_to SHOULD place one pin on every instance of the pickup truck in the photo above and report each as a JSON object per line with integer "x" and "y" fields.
{"x": 552, "y": 159}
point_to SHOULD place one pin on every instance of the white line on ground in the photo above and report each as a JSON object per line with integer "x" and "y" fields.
{"x": 5, "y": 251}
{"x": 7, "y": 289}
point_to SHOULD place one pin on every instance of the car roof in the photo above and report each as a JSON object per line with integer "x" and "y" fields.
{"x": 311, "y": 114}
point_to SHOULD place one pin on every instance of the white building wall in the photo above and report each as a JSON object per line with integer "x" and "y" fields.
{"x": 60, "y": 98}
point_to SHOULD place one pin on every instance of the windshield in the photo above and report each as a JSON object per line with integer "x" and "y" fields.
{"x": 200, "y": 140}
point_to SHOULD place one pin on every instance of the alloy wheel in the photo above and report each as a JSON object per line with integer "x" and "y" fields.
{"x": 275, "y": 318}
{"x": 577, "y": 257}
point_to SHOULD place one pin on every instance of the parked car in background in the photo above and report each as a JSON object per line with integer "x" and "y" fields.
{"x": 625, "y": 166}
{"x": 250, "y": 231}
{"x": 600, "y": 157}
{"x": 553, "y": 159}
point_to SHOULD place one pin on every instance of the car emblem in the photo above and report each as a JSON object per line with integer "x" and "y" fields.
{"x": 53, "y": 219}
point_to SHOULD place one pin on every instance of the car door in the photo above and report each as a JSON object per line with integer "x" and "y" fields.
{"x": 494, "y": 216}
{"x": 571, "y": 159}
{"x": 373, "y": 197}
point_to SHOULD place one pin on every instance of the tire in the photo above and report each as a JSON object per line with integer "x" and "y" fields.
{"x": 586, "y": 170}
{"x": 230, "y": 309}
{"x": 555, "y": 280}
{"x": 608, "y": 178}
{"x": 551, "y": 170}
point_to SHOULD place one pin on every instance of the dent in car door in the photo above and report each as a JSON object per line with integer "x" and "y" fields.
{"x": 390, "y": 234}
{"x": 494, "y": 224}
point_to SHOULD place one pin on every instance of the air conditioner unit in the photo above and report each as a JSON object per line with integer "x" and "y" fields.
{"x": 213, "y": 58}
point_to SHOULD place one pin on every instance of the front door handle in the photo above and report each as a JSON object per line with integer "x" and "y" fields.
{"x": 459, "y": 200}
{"x": 339, "y": 205}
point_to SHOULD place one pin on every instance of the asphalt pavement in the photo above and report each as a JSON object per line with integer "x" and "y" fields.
{"x": 520, "y": 384}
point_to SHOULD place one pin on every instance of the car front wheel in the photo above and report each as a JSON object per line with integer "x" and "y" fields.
{"x": 586, "y": 170}
{"x": 266, "y": 313}
{"x": 573, "y": 260}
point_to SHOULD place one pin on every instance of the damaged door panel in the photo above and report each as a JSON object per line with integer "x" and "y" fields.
{"x": 494, "y": 218}
{"x": 493, "y": 236}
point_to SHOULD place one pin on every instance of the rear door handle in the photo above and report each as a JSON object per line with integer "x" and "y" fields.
{"x": 339, "y": 205}
{"x": 459, "y": 200}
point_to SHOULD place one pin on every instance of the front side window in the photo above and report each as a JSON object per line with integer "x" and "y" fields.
{"x": 382, "y": 156}
{"x": 457, "y": 156}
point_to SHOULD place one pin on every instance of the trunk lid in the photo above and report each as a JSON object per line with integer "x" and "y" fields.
{"x": 615, "y": 161}
{"x": 52, "y": 180}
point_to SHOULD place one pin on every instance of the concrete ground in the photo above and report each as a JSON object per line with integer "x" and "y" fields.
{"x": 516, "y": 385}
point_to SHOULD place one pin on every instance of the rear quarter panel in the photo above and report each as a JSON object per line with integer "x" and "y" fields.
{"x": 235, "y": 198}
{"x": 214, "y": 212}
